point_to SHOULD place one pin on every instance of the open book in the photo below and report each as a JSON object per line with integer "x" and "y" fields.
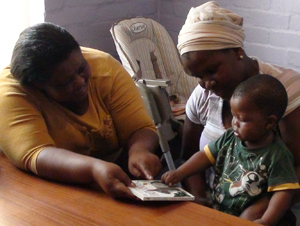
{"x": 155, "y": 190}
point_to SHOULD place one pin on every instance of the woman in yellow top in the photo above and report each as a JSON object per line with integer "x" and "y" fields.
{"x": 73, "y": 114}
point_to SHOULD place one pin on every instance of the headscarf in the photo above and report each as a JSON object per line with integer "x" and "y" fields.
{"x": 210, "y": 27}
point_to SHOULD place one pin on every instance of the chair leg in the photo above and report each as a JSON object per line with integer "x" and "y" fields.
{"x": 166, "y": 150}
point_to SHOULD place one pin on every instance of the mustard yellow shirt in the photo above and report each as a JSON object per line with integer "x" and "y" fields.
{"x": 29, "y": 121}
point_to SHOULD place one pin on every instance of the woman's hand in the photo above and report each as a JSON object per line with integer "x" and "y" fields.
{"x": 144, "y": 164}
{"x": 112, "y": 179}
{"x": 69, "y": 167}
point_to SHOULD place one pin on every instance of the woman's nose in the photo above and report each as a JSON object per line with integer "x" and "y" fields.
{"x": 79, "y": 82}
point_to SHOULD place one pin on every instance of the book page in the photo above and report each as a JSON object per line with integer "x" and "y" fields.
{"x": 148, "y": 190}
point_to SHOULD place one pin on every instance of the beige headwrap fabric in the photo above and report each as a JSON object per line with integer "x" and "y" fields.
{"x": 210, "y": 27}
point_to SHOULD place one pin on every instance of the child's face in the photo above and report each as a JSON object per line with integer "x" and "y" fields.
{"x": 248, "y": 122}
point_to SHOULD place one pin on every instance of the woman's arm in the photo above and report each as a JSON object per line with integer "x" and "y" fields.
{"x": 136, "y": 130}
{"x": 143, "y": 163}
{"x": 290, "y": 132}
{"x": 195, "y": 184}
{"x": 66, "y": 166}
{"x": 190, "y": 140}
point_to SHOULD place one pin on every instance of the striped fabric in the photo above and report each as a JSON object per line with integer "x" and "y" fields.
{"x": 289, "y": 78}
{"x": 136, "y": 39}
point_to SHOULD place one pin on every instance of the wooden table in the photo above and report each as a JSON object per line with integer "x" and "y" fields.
{"x": 28, "y": 200}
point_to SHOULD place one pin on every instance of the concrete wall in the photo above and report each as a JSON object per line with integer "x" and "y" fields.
{"x": 89, "y": 21}
{"x": 272, "y": 26}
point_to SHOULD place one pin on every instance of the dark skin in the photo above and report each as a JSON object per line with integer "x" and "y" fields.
{"x": 69, "y": 87}
{"x": 254, "y": 129}
{"x": 214, "y": 70}
{"x": 221, "y": 71}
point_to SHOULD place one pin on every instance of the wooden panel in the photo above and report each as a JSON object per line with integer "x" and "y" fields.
{"x": 26, "y": 199}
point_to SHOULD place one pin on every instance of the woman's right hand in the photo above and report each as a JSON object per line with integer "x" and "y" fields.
{"x": 112, "y": 179}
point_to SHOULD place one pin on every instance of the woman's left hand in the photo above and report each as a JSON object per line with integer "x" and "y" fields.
{"x": 143, "y": 164}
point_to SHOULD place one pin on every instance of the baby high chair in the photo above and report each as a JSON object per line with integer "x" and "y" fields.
{"x": 148, "y": 52}
{"x": 149, "y": 55}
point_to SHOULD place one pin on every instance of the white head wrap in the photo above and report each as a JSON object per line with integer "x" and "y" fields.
{"x": 210, "y": 27}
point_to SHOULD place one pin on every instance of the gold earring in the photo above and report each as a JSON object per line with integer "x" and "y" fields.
{"x": 241, "y": 56}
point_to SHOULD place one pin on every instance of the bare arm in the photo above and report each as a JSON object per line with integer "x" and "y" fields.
{"x": 190, "y": 140}
{"x": 66, "y": 166}
{"x": 196, "y": 164}
{"x": 290, "y": 132}
{"x": 143, "y": 163}
{"x": 276, "y": 209}
{"x": 195, "y": 184}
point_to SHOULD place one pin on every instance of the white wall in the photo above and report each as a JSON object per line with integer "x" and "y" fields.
{"x": 272, "y": 27}
{"x": 89, "y": 21}
{"x": 15, "y": 16}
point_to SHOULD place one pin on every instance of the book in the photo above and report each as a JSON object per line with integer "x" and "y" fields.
{"x": 156, "y": 190}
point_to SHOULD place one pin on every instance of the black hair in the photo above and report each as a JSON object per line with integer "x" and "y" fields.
{"x": 39, "y": 50}
{"x": 267, "y": 93}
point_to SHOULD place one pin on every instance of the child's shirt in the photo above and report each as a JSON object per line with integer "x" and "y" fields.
{"x": 243, "y": 175}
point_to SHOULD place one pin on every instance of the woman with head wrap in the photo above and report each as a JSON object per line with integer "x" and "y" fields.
{"x": 210, "y": 44}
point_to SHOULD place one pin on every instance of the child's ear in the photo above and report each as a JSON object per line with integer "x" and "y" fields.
{"x": 271, "y": 121}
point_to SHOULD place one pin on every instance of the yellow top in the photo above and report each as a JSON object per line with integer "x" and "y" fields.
{"x": 30, "y": 121}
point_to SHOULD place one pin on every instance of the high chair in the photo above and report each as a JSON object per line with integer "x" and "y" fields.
{"x": 149, "y": 55}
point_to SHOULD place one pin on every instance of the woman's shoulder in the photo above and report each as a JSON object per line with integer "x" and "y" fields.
{"x": 8, "y": 82}
{"x": 289, "y": 78}
{"x": 277, "y": 71}
{"x": 91, "y": 54}
{"x": 101, "y": 63}
{"x": 200, "y": 104}
{"x": 201, "y": 96}
{"x": 201, "y": 100}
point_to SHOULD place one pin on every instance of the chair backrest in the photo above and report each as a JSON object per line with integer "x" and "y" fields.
{"x": 147, "y": 51}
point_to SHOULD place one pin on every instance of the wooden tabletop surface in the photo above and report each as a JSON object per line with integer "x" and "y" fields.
{"x": 28, "y": 200}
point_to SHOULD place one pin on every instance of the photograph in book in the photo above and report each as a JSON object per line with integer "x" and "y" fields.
{"x": 155, "y": 190}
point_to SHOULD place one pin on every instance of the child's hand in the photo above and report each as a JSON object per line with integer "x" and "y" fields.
{"x": 171, "y": 177}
